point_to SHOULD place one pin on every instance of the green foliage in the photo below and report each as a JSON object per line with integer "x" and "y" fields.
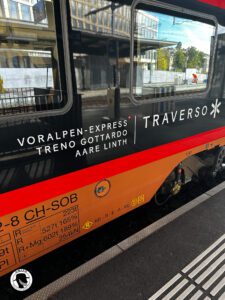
{"x": 179, "y": 45}
{"x": 190, "y": 58}
{"x": 179, "y": 60}
{"x": 201, "y": 59}
{"x": 195, "y": 58}
{"x": 163, "y": 60}
{"x": 2, "y": 90}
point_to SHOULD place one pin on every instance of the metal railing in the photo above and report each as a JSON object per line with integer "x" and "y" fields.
{"x": 20, "y": 100}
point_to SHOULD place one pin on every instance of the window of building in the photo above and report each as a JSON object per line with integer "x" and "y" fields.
{"x": 3, "y": 62}
{"x": 73, "y": 8}
{"x": 2, "y": 9}
{"x": 182, "y": 50}
{"x": 80, "y": 10}
{"x": 29, "y": 61}
{"x": 26, "y": 13}
{"x": 106, "y": 20}
{"x": 26, "y": 62}
{"x": 16, "y": 61}
{"x": 13, "y": 9}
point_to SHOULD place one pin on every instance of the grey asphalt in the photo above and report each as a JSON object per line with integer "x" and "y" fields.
{"x": 144, "y": 268}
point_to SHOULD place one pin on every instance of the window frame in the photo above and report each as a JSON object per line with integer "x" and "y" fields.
{"x": 63, "y": 52}
{"x": 9, "y": 2}
{"x": 182, "y": 11}
{"x": 25, "y": 6}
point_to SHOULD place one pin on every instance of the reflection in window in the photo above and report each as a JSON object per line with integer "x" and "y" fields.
{"x": 26, "y": 14}
{"x": 28, "y": 59}
{"x": 2, "y": 10}
{"x": 171, "y": 54}
{"x": 13, "y": 9}
{"x": 102, "y": 53}
{"x": 101, "y": 20}
{"x": 16, "y": 61}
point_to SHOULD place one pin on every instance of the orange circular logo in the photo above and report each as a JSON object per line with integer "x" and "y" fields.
{"x": 102, "y": 188}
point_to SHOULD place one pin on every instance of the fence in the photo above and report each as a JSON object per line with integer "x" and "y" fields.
{"x": 169, "y": 77}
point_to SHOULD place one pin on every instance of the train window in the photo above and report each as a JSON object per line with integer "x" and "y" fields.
{"x": 171, "y": 53}
{"x": 29, "y": 74}
{"x": 101, "y": 50}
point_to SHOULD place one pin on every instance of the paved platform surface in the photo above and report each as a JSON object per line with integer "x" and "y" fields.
{"x": 183, "y": 257}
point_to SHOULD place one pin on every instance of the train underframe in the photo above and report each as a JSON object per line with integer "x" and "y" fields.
{"x": 203, "y": 167}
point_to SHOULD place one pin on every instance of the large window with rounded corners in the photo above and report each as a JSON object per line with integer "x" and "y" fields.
{"x": 29, "y": 72}
{"x": 172, "y": 52}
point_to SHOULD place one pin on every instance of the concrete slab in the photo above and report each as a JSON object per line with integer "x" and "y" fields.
{"x": 171, "y": 258}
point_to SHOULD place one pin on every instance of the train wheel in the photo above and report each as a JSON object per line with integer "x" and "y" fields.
{"x": 219, "y": 162}
{"x": 160, "y": 200}
{"x": 171, "y": 187}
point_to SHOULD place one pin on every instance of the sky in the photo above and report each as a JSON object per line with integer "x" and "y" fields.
{"x": 188, "y": 32}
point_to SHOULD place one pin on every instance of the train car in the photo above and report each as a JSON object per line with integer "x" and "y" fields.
{"x": 104, "y": 105}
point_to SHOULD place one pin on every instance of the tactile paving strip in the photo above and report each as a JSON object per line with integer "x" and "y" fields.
{"x": 202, "y": 278}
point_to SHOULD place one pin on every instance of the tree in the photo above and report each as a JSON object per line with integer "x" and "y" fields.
{"x": 179, "y": 60}
{"x": 201, "y": 59}
{"x": 192, "y": 57}
{"x": 2, "y": 90}
{"x": 179, "y": 45}
{"x": 195, "y": 58}
{"x": 163, "y": 59}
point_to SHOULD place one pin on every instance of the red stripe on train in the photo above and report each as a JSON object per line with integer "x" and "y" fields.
{"x": 48, "y": 189}
{"x": 217, "y": 3}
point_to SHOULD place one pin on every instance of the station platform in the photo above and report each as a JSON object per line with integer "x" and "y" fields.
{"x": 181, "y": 256}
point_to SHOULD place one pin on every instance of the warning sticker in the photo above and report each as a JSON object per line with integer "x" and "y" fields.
{"x": 30, "y": 233}
{"x": 37, "y": 230}
{"x": 38, "y": 236}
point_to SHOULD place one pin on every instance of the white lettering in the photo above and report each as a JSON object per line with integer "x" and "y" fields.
{"x": 30, "y": 140}
{"x": 165, "y": 119}
{"x": 190, "y": 112}
{"x": 155, "y": 120}
{"x": 182, "y": 112}
{"x": 21, "y": 142}
{"x": 174, "y": 116}
{"x": 146, "y": 121}
{"x": 197, "y": 112}
{"x": 204, "y": 110}
{"x": 41, "y": 138}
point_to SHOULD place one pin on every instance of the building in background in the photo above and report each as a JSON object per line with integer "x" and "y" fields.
{"x": 17, "y": 9}
{"x": 20, "y": 61}
{"x": 147, "y": 29}
{"x": 109, "y": 21}
{"x": 98, "y": 15}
